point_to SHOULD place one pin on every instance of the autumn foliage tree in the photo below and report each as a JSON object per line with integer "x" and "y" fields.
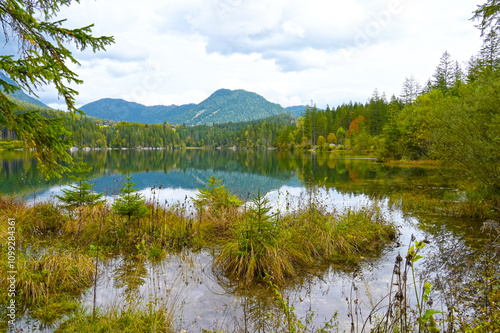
{"x": 356, "y": 126}
{"x": 358, "y": 136}
{"x": 331, "y": 139}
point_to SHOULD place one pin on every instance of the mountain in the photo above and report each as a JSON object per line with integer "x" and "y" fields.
{"x": 226, "y": 105}
{"x": 222, "y": 106}
{"x": 120, "y": 110}
{"x": 297, "y": 111}
{"x": 21, "y": 95}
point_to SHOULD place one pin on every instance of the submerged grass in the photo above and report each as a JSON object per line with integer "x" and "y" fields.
{"x": 48, "y": 283}
{"x": 421, "y": 202}
{"x": 155, "y": 318}
{"x": 58, "y": 251}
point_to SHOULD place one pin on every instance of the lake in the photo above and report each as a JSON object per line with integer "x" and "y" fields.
{"x": 204, "y": 299}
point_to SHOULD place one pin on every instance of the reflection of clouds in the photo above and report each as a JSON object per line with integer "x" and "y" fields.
{"x": 188, "y": 276}
{"x": 298, "y": 197}
{"x": 46, "y": 195}
{"x": 172, "y": 195}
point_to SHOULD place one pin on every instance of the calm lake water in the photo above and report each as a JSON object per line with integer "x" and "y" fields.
{"x": 201, "y": 298}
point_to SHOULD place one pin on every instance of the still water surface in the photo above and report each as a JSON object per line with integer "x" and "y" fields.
{"x": 186, "y": 282}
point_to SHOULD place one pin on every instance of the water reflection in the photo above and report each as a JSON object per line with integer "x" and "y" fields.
{"x": 129, "y": 275}
{"x": 244, "y": 172}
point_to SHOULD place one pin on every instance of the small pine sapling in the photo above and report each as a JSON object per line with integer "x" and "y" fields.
{"x": 80, "y": 193}
{"x": 130, "y": 204}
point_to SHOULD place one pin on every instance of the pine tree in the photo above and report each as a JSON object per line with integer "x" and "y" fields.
{"x": 457, "y": 76}
{"x": 81, "y": 192}
{"x": 410, "y": 91}
{"x": 489, "y": 55}
{"x": 473, "y": 69}
{"x": 489, "y": 16}
{"x": 216, "y": 197}
{"x": 128, "y": 204}
{"x": 443, "y": 76}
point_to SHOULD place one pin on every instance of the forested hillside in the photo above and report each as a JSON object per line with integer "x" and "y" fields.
{"x": 21, "y": 95}
{"x": 120, "y": 110}
{"x": 84, "y": 131}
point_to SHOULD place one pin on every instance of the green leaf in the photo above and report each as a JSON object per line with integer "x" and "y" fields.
{"x": 429, "y": 313}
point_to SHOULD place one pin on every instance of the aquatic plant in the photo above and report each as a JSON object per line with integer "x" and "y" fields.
{"x": 49, "y": 282}
{"x": 257, "y": 246}
{"x": 156, "y": 317}
{"x": 459, "y": 204}
{"x": 263, "y": 245}
{"x": 293, "y": 324}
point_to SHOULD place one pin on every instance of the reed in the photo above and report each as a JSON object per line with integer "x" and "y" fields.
{"x": 133, "y": 319}
{"x": 49, "y": 283}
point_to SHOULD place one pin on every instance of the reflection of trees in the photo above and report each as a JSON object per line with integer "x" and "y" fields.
{"x": 19, "y": 174}
{"x": 131, "y": 274}
{"x": 280, "y": 166}
{"x": 460, "y": 263}
{"x": 261, "y": 311}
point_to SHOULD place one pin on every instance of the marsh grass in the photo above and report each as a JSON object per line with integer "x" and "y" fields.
{"x": 49, "y": 283}
{"x": 60, "y": 252}
{"x": 282, "y": 247}
{"x": 468, "y": 206}
{"x": 409, "y": 305}
{"x": 155, "y": 317}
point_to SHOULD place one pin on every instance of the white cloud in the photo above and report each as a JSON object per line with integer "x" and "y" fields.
{"x": 289, "y": 51}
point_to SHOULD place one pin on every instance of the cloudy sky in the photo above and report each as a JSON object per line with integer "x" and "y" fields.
{"x": 290, "y": 51}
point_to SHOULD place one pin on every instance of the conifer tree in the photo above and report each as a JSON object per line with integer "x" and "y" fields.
{"x": 216, "y": 197}
{"x": 488, "y": 15}
{"x": 81, "y": 192}
{"x": 443, "y": 76}
{"x": 458, "y": 75}
{"x": 489, "y": 54}
{"x": 129, "y": 204}
{"x": 410, "y": 91}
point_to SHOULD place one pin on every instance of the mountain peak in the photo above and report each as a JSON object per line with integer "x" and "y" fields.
{"x": 222, "y": 92}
